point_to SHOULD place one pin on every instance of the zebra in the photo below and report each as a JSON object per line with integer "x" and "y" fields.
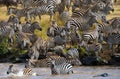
{"x": 38, "y": 49}
{"x": 23, "y": 40}
{"x": 64, "y": 16}
{"x": 74, "y": 37}
{"x": 32, "y": 63}
{"x": 33, "y": 3}
{"x": 73, "y": 53}
{"x": 31, "y": 28}
{"x": 72, "y": 61}
{"x": 115, "y": 24}
{"x": 112, "y": 39}
{"x": 23, "y": 72}
{"x": 48, "y": 8}
{"x": 7, "y": 31}
{"x": 92, "y": 48}
{"x": 91, "y": 35}
{"x": 18, "y": 12}
{"x": 64, "y": 68}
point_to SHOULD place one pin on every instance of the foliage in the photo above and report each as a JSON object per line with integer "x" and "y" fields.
{"x": 4, "y": 46}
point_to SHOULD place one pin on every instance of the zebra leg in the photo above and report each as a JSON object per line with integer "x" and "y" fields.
{"x": 39, "y": 17}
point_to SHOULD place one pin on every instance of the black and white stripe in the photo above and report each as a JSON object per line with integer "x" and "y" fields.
{"x": 23, "y": 72}
{"x": 64, "y": 68}
{"x": 92, "y": 35}
{"x": 92, "y": 48}
{"x": 48, "y": 8}
{"x": 30, "y": 28}
{"x": 22, "y": 40}
{"x": 38, "y": 49}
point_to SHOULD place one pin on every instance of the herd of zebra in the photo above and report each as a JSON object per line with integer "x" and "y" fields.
{"x": 84, "y": 31}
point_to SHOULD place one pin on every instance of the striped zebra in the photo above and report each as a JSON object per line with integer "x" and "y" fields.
{"x": 55, "y": 30}
{"x": 73, "y": 61}
{"x": 18, "y": 12}
{"x": 48, "y": 8}
{"x": 64, "y": 68}
{"x": 81, "y": 23}
{"x": 91, "y": 35}
{"x": 73, "y": 53}
{"x": 92, "y": 48}
{"x": 33, "y": 3}
{"x": 30, "y": 28}
{"x": 64, "y": 16}
{"x": 32, "y": 63}
{"x": 7, "y": 31}
{"x": 38, "y": 49}
{"x": 105, "y": 28}
{"x": 13, "y": 20}
{"x": 24, "y": 72}
{"x": 22, "y": 40}
{"x": 112, "y": 39}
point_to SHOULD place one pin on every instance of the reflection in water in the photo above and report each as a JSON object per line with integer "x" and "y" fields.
{"x": 82, "y": 72}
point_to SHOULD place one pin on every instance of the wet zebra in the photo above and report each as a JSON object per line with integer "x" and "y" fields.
{"x": 31, "y": 63}
{"x": 64, "y": 68}
{"x": 48, "y": 8}
{"x": 24, "y": 72}
{"x": 30, "y": 28}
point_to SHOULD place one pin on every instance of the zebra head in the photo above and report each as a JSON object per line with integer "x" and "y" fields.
{"x": 36, "y": 25}
{"x": 109, "y": 7}
{"x": 76, "y": 62}
{"x": 10, "y": 69}
{"x": 13, "y": 19}
{"x": 50, "y": 32}
{"x": 11, "y": 10}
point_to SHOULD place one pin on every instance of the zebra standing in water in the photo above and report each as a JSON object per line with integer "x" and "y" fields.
{"x": 64, "y": 68}
{"x": 24, "y": 72}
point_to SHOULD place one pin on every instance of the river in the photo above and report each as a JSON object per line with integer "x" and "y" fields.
{"x": 82, "y": 72}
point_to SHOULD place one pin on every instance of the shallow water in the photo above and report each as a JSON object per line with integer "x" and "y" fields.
{"x": 82, "y": 72}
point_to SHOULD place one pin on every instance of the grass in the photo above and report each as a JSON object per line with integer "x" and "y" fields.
{"x": 45, "y": 22}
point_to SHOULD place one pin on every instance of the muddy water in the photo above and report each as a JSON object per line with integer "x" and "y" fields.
{"x": 82, "y": 72}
